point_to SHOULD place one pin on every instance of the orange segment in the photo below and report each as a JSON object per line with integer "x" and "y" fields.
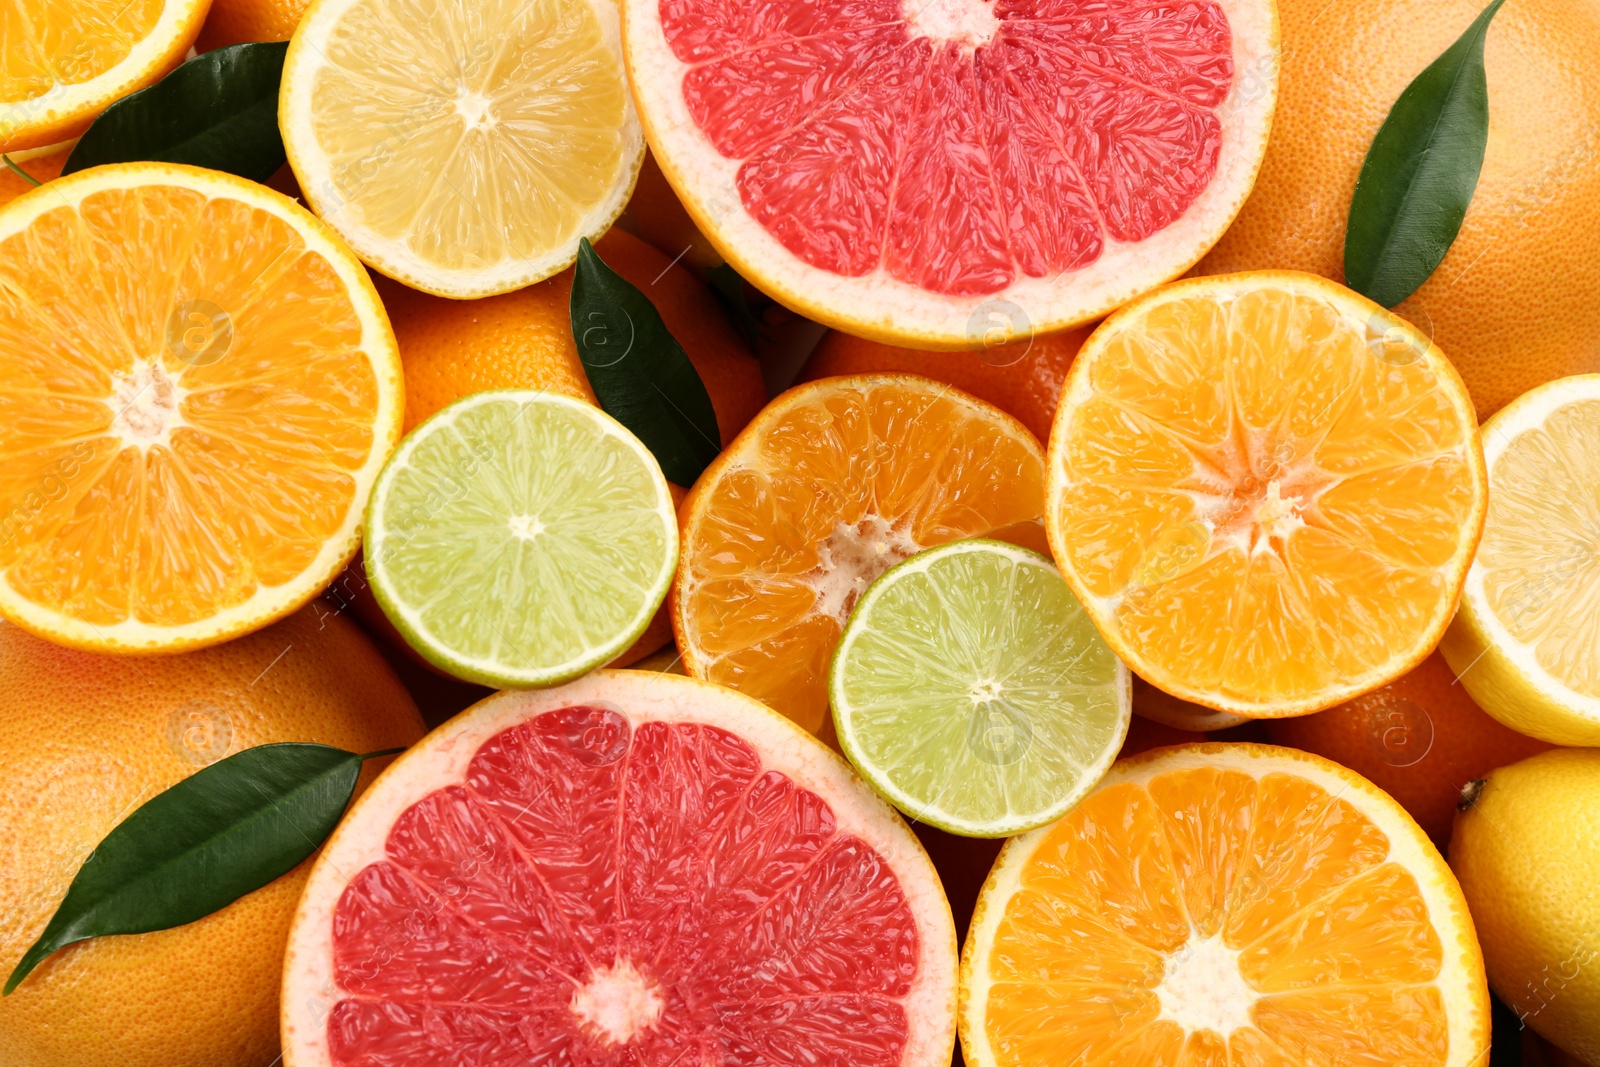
{"x": 833, "y": 483}
{"x": 1266, "y": 490}
{"x": 1224, "y": 906}
{"x": 205, "y": 388}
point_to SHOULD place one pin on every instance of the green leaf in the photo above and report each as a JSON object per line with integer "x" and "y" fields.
{"x": 639, "y": 373}
{"x": 224, "y": 831}
{"x": 1420, "y": 173}
{"x": 219, "y": 110}
{"x": 728, "y": 287}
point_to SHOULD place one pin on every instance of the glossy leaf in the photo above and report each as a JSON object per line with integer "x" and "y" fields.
{"x": 1420, "y": 173}
{"x": 638, "y": 372}
{"x": 224, "y": 831}
{"x": 218, "y": 110}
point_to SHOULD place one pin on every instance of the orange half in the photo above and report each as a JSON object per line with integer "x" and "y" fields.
{"x": 197, "y": 388}
{"x": 1224, "y": 906}
{"x": 831, "y": 485}
{"x": 1266, "y": 490}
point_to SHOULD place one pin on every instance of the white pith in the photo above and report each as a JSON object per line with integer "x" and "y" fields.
{"x": 617, "y": 1003}
{"x": 146, "y": 405}
{"x": 968, "y": 22}
{"x": 1527, "y": 412}
{"x": 1459, "y": 980}
{"x": 377, "y": 342}
{"x": 1203, "y": 988}
{"x": 879, "y": 305}
{"x": 440, "y": 760}
{"x": 852, "y": 558}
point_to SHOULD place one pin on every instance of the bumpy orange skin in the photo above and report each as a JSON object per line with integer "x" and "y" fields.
{"x": 1420, "y": 739}
{"x": 1513, "y": 302}
{"x": 84, "y": 740}
{"x": 43, "y": 167}
{"x": 1023, "y": 379}
{"x": 523, "y": 340}
{"x": 239, "y": 21}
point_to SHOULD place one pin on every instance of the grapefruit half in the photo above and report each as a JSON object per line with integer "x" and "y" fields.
{"x": 930, "y": 172}
{"x": 634, "y": 868}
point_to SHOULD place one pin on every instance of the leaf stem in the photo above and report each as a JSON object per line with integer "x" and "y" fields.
{"x": 19, "y": 172}
{"x": 383, "y": 752}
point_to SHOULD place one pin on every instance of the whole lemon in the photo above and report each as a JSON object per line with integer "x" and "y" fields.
{"x": 84, "y": 740}
{"x": 1526, "y": 849}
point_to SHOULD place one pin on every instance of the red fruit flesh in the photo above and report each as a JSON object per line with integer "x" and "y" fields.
{"x": 594, "y": 894}
{"x": 955, "y": 144}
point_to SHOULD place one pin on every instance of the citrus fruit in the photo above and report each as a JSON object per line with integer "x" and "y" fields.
{"x": 1265, "y": 490}
{"x": 199, "y": 388}
{"x": 1224, "y": 904}
{"x": 1525, "y": 640}
{"x": 521, "y": 537}
{"x": 465, "y": 147}
{"x": 832, "y": 484}
{"x": 1524, "y": 849}
{"x": 1420, "y": 739}
{"x": 41, "y": 164}
{"x": 902, "y": 170}
{"x": 523, "y": 340}
{"x": 1513, "y": 302}
{"x": 970, "y": 689}
{"x": 1023, "y": 378}
{"x": 84, "y": 740}
{"x": 1152, "y": 705}
{"x": 634, "y": 868}
{"x": 239, "y": 21}
{"x": 68, "y": 60}
{"x": 656, "y": 214}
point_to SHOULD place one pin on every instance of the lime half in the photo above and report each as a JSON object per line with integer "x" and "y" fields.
{"x": 521, "y": 538}
{"x": 973, "y": 692}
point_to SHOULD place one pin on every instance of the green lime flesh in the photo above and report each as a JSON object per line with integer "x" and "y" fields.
{"x": 973, "y": 692}
{"x": 521, "y": 538}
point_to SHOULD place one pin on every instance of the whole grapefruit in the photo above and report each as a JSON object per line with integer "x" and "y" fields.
{"x": 84, "y": 740}
{"x": 1513, "y": 302}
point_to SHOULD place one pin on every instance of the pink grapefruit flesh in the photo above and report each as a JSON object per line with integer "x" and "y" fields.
{"x": 952, "y": 151}
{"x": 633, "y": 869}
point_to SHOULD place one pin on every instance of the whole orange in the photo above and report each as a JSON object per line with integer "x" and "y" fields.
{"x": 1513, "y": 302}
{"x": 41, "y": 164}
{"x": 1023, "y": 379}
{"x": 84, "y": 740}
{"x": 1420, "y": 739}
{"x": 523, "y": 340}
{"x": 238, "y": 21}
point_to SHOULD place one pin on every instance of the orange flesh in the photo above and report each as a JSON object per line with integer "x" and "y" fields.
{"x": 1266, "y": 497}
{"x": 67, "y": 42}
{"x": 818, "y": 497}
{"x": 1330, "y": 939}
{"x": 159, "y": 462}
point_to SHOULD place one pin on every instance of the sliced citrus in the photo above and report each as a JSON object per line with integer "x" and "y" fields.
{"x": 1526, "y": 642}
{"x": 1266, "y": 491}
{"x": 972, "y": 691}
{"x": 199, "y": 387}
{"x": 635, "y": 868}
{"x": 904, "y": 169}
{"x": 521, "y": 537}
{"x": 65, "y": 61}
{"x": 1226, "y": 906}
{"x": 462, "y": 147}
{"x": 832, "y": 484}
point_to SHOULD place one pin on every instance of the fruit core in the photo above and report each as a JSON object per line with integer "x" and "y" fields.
{"x": 144, "y": 404}
{"x": 852, "y": 557}
{"x": 617, "y": 1003}
{"x": 966, "y": 22}
{"x": 1262, "y": 495}
{"x": 1203, "y": 988}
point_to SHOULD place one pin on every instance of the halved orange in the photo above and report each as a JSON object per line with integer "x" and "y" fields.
{"x": 831, "y": 485}
{"x": 197, "y": 388}
{"x": 1224, "y": 906}
{"x": 1266, "y": 490}
{"x": 64, "y": 61}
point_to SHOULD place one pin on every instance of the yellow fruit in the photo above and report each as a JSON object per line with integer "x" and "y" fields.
{"x": 84, "y": 740}
{"x": 1214, "y": 905}
{"x": 238, "y": 21}
{"x": 1513, "y": 302}
{"x": 199, "y": 388}
{"x": 461, "y": 147}
{"x": 1526, "y": 642}
{"x": 1524, "y": 849}
{"x": 65, "y": 61}
{"x": 1265, "y": 490}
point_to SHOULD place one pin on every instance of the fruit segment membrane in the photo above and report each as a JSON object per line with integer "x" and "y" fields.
{"x": 597, "y": 894}
{"x": 958, "y": 144}
{"x": 1211, "y": 918}
{"x": 172, "y": 440}
{"x": 1263, "y": 495}
{"x": 90, "y": 38}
